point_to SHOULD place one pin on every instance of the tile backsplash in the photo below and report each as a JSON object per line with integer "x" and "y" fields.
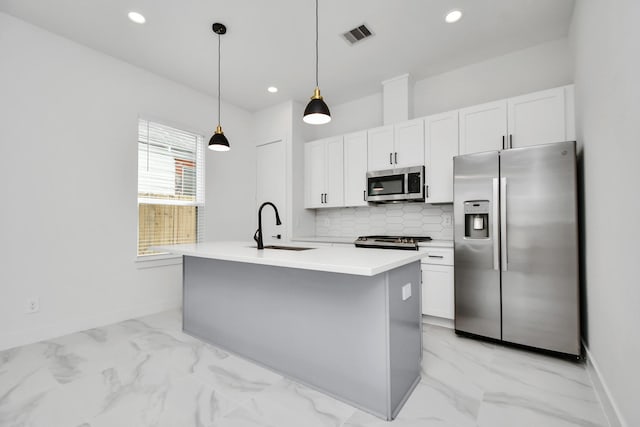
{"x": 407, "y": 219}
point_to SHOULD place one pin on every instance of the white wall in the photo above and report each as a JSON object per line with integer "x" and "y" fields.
{"x": 540, "y": 67}
{"x": 362, "y": 113}
{"x": 607, "y": 71}
{"x": 68, "y": 164}
{"x": 284, "y": 121}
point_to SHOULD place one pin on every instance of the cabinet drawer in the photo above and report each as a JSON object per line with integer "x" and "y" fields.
{"x": 442, "y": 256}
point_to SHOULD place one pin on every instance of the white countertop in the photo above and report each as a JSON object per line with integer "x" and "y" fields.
{"x": 324, "y": 239}
{"x": 347, "y": 260}
{"x": 333, "y": 239}
{"x": 437, "y": 244}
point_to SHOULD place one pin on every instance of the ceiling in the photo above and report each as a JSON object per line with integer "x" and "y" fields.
{"x": 272, "y": 42}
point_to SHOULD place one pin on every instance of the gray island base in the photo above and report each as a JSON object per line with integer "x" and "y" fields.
{"x": 354, "y": 337}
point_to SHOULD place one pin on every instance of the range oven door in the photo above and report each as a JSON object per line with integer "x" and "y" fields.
{"x": 396, "y": 185}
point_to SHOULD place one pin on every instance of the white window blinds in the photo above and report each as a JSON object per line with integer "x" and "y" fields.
{"x": 170, "y": 186}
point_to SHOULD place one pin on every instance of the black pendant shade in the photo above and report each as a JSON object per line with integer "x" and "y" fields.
{"x": 317, "y": 111}
{"x": 218, "y": 141}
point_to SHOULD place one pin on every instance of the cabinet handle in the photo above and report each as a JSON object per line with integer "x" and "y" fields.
{"x": 503, "y": 142}
{"x": 510, "y": 141}
{"x": 435, "y": 256}
{"x": 364, "y": 195}
{"x": 321, "y": 197}
{"x": 390, "y": 158}
{"x": 426, "y": 190}
{"x": 396, "y": 154}
{"x": 325, "y": 197}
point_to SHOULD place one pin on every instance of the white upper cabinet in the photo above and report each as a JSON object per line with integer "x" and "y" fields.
{"x": 380, "y": 148}
{"x": 409, "y": 143}
{"x": 314, "y": 167}
{"x": 537, "y": 118}
{"x": 334, "y": 193}
{"x": 324, "y": 180}
{"x": 393, "y": 146}
{"x": 355, "y": 169}
{"x": 441, "y": 146}
{"x": 483, "y": 127}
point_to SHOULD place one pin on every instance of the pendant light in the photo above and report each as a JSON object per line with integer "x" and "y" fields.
{"x": 218, "y": 141}
{"x": 317, "y": 112}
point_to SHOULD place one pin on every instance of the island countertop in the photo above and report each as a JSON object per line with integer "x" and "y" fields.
{"x": 347, "y": 260}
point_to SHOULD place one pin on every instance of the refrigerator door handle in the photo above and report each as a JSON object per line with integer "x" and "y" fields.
{"x": 496, "y": 242}
{"x": 503, "y": 222}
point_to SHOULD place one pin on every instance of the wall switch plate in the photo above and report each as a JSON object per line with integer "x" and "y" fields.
{"x": 406, "y": 291}
{"x": 446, "y": 218}
{"x": 32, "y": 306}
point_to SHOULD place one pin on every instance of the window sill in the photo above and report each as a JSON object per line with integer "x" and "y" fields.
{"x": 160, "y": 260}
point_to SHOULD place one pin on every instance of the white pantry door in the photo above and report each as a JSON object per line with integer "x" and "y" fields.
{"x": 271, "y": 187}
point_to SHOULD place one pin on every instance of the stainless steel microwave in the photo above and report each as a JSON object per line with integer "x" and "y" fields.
{"x": 396, "y": 185}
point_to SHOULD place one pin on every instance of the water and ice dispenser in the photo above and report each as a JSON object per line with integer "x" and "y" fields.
{"x": 476, "y": 219}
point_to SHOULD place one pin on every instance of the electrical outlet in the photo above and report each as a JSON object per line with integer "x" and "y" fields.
{"x": 446, "y": 219}
{"x": 33, "y": 305}
{"x": 406, "y": 292}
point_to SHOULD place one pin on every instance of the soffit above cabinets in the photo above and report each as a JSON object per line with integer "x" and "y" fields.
{"x": 272, "y": 42}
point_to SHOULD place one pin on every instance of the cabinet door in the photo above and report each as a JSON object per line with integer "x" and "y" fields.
{"x": 441, "y": 138}
{"x": 537, "y": 118}
{"x": 355, "y": 169}
{"x": 380, "y": 148}
{"x": 483, "y": 127}
{"x": 334, "y": 173}
{"x": 314, "y": 165}
{"x": 437, "y": 291}
{"x": 409, "y": 143}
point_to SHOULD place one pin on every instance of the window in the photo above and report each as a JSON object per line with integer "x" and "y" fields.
{"x": 170, "y": 186}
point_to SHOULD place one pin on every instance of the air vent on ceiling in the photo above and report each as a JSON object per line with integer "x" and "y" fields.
{"x": 357, "y": 34}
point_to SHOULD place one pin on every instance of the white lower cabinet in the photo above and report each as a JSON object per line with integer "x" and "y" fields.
{"x": 437, "y": 283}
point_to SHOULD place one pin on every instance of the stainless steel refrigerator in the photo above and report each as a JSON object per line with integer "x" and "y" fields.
{"x": 516, "y": 246}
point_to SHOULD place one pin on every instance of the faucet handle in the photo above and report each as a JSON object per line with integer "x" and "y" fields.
{"x": 256, "y": 236}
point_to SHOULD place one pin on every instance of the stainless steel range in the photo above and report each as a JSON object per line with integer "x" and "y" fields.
{"x": 390, "y": 242}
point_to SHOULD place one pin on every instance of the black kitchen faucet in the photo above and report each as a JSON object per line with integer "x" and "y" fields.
{"x": 258, "y": 235}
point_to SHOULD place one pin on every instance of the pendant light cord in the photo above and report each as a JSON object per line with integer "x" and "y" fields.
{"x": 219, "y": 80}
{"x": 317, "y": 44}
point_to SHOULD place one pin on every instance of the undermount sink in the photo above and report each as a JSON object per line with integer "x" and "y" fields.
{"x": 285, "y": 248}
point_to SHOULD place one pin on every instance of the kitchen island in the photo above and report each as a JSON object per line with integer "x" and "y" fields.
{"x": 346, "y": 321}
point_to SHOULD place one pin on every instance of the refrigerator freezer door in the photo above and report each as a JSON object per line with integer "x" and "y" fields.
{"x": 477, "y": 273}
{"x": 540, "y": 302}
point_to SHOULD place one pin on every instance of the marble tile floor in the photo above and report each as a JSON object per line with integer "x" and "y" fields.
{"x": 146, "y": 372}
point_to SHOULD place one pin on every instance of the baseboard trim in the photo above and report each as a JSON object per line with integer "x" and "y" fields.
{"x": 438, "y": 321}
{"x": 30, "y": 336}
{"x": 609, "y": 406}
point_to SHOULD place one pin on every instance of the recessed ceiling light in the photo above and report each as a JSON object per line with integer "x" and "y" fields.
{"x": 453, "y": 16}
{"x": 137, "y": 17}
{"x": 272, "y": 89}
